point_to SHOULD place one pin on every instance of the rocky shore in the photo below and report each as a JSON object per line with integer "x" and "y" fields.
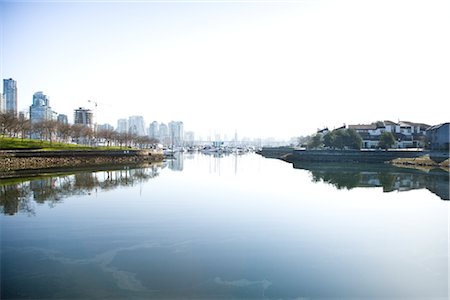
{"x": 422, "y": 161}
{"x": 21, "y": 160}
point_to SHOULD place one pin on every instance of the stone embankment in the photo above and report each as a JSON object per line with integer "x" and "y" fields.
{"x": 28, "y": 159}
{"x": 394, "y": 156}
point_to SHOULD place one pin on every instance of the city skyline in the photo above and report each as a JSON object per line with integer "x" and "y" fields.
{"x": 265, "y": 69}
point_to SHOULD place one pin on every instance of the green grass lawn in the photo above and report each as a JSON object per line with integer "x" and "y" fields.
{"x": 17, "y": 143}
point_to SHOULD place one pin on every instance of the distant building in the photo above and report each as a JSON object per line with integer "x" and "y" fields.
{"x": 84, "y": 117}
{"x": 122, "y": 126}
{"x": 407, "y": 134}
{"x": 2, "y": 104}
{"x": 189, "y": 138}
{"x": 62, "y": 119}
{"x": 153, "y": 130}
{"x": 40, "y": 110}
{"x": 10, "y": 95}
{"x": 438, "y": 136}
{"x": 176, "y": 133}
{"x": 136, "y": 125}
{"x": 164, "y": 134}
{"x": 105, "y": 127}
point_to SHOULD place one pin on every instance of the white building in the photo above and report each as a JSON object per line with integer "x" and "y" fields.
{"x": 406, "y": 134}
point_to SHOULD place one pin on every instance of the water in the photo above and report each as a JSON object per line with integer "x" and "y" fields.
{"x": 240, "y": 227}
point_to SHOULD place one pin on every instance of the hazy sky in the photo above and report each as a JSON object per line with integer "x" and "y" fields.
{"x": 263, "y": 68}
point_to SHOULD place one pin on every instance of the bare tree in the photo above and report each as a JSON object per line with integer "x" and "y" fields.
{"x": 9, "y": 124}
{"x": 24, "y": 126}
{"x": 63, "y": 131}
{"x": 49, "y": 129}
{"x": 107, "y": 135}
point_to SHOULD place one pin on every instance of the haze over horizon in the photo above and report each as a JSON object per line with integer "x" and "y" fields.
{"x": 261, "y": 68}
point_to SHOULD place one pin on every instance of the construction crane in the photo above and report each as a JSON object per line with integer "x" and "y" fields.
{"x": 95, "y": 103}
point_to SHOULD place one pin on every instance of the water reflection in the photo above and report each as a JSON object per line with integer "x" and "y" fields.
{"x": 389, "y": 177}
{"x": 215, "y": 232}
{"x": 20, "y": 197}
{"x": 177, "y": 162}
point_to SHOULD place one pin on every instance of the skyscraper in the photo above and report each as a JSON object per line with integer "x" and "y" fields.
{"x": 84, "y": 116}
{"x": 176, "y": 133}
{"x": 122, "y": 126}
{"x": 153, "y": 130}
{"x": 164, "y": 134}
{"x": 40, "y": 110}
{"x": 136, "y": 125}
{"x": 10, "y": 95}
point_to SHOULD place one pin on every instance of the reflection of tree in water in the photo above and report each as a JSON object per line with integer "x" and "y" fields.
{"x": 344, "y": 180}
{"x": 388, "y": 177}
{"x": 18, "y": 197}
{"x": 15, "y": 198}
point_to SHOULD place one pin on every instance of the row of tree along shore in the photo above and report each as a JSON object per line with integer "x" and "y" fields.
{"x": 54, "y": 131}
{"x": 395, "y": 156}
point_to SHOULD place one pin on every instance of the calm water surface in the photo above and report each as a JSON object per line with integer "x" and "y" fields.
{"x": 227, "y": 227}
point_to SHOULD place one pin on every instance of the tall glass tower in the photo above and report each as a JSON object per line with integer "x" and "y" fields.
{"x": 10, "y": 95}
{"x": 40, "y": 110}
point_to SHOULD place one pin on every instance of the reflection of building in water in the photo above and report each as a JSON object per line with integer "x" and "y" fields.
{"x": 391, "y": 182}
{"x": 177, "y": 163}
{"x": 390, "y": 178}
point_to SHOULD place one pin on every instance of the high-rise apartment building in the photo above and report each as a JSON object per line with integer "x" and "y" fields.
{"x": 164, "y": 134}
{"x": 136, "y": 125}
{"x": 40, "y": 110}
{"x": 84, "y": 117}
{"x": 153, "y": 130}
{"x": 10, "y": 95}
{"x": 176, "y": 133}
{"x": 105, "y": 127}
{"x": 122, "y": 126}
{"x": 62, "y": 119}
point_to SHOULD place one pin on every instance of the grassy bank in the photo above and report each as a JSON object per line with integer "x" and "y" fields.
{"x": 7, "y": 143}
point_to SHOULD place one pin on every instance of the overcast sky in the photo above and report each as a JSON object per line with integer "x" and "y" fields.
{"x": 263, "y": 68}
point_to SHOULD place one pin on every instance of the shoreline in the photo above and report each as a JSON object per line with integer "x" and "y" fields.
{"x": 11, "y": 161}
{"x": 394, "y": 156}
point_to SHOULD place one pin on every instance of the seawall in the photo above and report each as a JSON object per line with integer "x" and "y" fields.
{"x": 356, "y": 156}
{"x": 29, "y": 159}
